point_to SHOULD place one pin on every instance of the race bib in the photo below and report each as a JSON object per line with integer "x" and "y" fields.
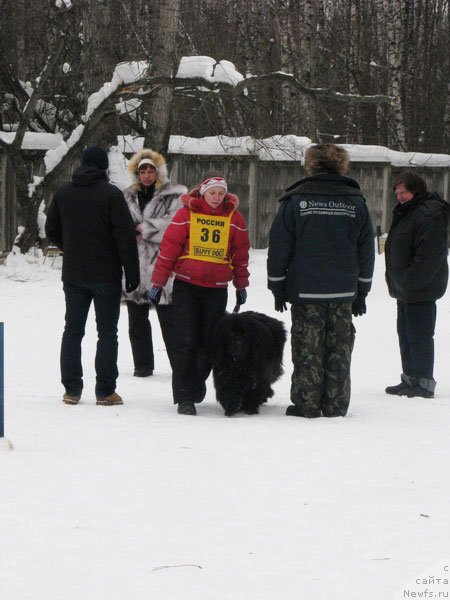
{"x": 208, "y": 238}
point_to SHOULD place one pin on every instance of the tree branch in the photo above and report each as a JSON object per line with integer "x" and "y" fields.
{"x": 36, "y": 95}
{"x": 147, "y": 85}
{"x": 14, "y": 87}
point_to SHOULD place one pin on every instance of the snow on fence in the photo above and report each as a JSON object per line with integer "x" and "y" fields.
{"x": 258, "y": 175}
{"x": 258, "y": 184}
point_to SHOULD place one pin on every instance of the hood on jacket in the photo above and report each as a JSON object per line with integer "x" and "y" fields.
{"x": 435, "y": 203}
{"x": 431, "y": 201}
{"x": 334, "y": 185}
{"x": 197, "y": 203}
{"x": 87, "y": 175}
{"x": 158, "y": 160}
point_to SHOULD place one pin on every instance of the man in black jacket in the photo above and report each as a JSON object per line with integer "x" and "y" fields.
{"x": 321, "y": 260}
{"x": 416, "y": 274}
{"x": 90, "y": 221}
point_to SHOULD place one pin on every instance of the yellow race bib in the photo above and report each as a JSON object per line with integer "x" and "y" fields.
{"x": 208, "y": 238}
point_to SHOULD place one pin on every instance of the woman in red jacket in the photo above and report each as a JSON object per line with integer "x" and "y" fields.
{"x": 205, "y": 246}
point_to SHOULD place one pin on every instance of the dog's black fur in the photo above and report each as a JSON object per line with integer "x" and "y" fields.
{"x": 247, "y": 357}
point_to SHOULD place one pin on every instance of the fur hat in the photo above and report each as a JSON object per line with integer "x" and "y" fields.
{"x": 95, "y": 157}
{"x": 326, "y": 158}
{"x": 151, "y": 157}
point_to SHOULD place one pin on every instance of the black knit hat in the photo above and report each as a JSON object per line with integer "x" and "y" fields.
{"x": 95, "y": 157}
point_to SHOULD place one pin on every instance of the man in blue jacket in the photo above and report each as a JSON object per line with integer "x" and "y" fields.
{"x": 321, "y": 260}
{"x": 90, "y": 221}
{"x": 417, "y": 275}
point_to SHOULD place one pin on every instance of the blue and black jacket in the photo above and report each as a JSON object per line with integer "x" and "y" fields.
{"x": 321, "y": 246}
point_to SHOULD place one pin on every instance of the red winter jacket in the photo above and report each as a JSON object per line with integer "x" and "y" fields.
{"x": 175, "y": 244}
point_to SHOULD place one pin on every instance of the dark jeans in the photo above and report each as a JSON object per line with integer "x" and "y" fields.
{"x": 140, "y": 332}
{"x": 415, "y": 328}
{"x": 196, "y": 312}
{"x": 106, "y": 297}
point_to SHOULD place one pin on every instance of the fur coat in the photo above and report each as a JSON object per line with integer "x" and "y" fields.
{"x": 155, "y": 218}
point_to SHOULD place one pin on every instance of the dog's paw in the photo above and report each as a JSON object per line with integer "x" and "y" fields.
{"x": 230, "y": 413}
{"x": 232, "y": 408}
{"x": 251, "y": 410}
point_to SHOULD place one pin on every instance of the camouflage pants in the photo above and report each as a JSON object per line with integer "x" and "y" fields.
{"x": 322, "y": 344}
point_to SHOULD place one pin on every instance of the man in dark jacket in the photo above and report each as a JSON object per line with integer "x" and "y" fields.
{"x": 90, "y": 221}
{"x": 416, "y": 274}
{"x": 321, "y": 260}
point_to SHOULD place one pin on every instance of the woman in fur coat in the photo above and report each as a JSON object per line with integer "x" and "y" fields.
{"x": 152, "y": 200}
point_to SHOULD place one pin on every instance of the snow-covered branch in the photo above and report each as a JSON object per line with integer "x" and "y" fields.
{"x": 30, "y": 106}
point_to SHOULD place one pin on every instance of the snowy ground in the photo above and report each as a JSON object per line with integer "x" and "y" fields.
{"x": 138, "y": 502}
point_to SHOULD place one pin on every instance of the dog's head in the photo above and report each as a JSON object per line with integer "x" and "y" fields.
{"x": 237, "y": 343}
{"x": 233, "y": 339}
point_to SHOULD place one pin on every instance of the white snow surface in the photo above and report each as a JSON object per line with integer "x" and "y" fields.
{"x": 34, "y": 141}
{"x": 107, "y": 503}
{"x": 278, "y": 147}
{"x": 285, "y": 147}
{"x": 209, "y": 68}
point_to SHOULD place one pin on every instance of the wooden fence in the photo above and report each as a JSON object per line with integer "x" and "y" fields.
{"x": 257, "y": 183}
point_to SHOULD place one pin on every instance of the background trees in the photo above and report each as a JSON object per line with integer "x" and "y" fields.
{"x": 325, "y": 69}
{"x": 362, "y": 47}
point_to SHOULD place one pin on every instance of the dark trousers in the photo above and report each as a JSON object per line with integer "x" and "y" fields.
{"x": 196, "y": 312}
{"x": 106, "y": 297}
{"x": 415, "y": 327}
{"x": 140, "y": 332}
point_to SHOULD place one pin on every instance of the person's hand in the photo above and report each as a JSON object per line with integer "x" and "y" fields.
{"x": 131, "y": 285}
{"x": 241, "y": 296}
{"x": 154, "y": 295}
{"x": 280, "y": 301}
{"x": 139, "y": 232}
{"x": 359, "y": 306}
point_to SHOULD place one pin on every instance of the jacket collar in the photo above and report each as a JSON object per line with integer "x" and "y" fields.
{"x": 328, "y": 184}
{"x": 197, "y": 203}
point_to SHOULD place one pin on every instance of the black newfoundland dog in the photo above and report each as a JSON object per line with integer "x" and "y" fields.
{"x": 247, "y": 357}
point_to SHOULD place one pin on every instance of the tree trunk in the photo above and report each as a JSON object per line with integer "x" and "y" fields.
{"x": 97, "y": 60}
{"x": 394, "y": 11}
{"x": 163, "y": 62}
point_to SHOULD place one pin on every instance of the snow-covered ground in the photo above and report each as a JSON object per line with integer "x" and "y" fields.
{"x": 134, "y": 502}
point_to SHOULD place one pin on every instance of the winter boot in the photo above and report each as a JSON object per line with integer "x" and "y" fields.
{"x": 333, "y": 411}
{"x": 424, "y": 389}
{"x": 186, "y": 408}
{"x": 296, "y": 411}
{"x": 402, "y": 388}
{"x": 111, "y": 400}
{"x": 143, "y": 372}
{"x": 69, "y": 398}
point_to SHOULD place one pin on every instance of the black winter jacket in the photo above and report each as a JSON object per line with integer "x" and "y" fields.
{"x": 90, "y": 221}
{"x": 321, "y": 244}
{"x": 416, "y": 249}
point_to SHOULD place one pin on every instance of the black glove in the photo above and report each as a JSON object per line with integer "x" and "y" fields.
{"x": 154, "y": 295}
{"x": 131, "y": 285}
{"x": 280, "y": 301}
{"x": 241, "y": 296}
{"x": 359, "y": 306}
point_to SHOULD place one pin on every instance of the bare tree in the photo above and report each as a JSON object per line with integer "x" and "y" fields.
{"x": 370, "y": 71}
{"x": 164, "y": 61}
{"x": 393, "y": 11}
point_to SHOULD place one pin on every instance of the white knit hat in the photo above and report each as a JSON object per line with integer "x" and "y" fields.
{"x": 146, "y": 161}
{"x": 212, "y": 182}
